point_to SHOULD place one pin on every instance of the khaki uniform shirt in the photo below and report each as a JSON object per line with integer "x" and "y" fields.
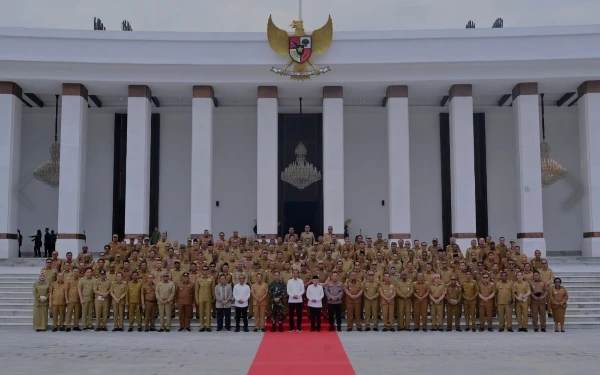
{"x": 176, "y": 275}
{"x": 59, "y": 293}
{"x": 205, "y": 289}
{"x": 421, "y": 289}
{"x": 134, "y": 292}
{"x": 521, "y": 287}
{"x": 102, "y": 286}
{"x": 184, "y": 294}
{"x": 388, "y": 290}
{"x": 371, "y": 288}
{"x": 486, "y": 290}
{"x": 504, "y": 292}
{"x": 149, "y": 292}
{"x": 73, "y": 290}
{"x": 259, "y": 290}
{"x": 119, "y": 289}
{"x": 436, "y": 291}
{"x": 470, "y": 289}
{"x": 404, "y": 289}
{"x": 87, "y": 288}
{"x": 165, "y": 291}
{"x": 454, "y": 293}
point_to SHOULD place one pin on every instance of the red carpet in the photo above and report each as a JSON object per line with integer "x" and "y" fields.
{"x": 301, "y": 353}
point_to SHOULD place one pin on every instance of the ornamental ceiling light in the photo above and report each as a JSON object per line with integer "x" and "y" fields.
{"x": 552, "y": 171}
{"x": 300, "y": 173}
{"x": 49, "y": 172}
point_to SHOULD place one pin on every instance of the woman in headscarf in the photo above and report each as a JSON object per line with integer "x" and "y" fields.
{"x": 40, "y": 303}
{"x": 558, "y": 298}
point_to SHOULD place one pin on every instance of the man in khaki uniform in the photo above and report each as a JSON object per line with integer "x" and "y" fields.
{"x": 118, "y": 292}
{"x": 85, "y": 288}
{"x": 307, "y": 234}
{"x": 436, "y": 296}
{"x": 539, "y": 293}
{"x": 421, "y": 297}
{"x": 149, "y": 303}
{"x": 184, "y": 297}
{"x": 486, "y": 302}
{"x": 73, "y": 302}
{"x": 353, "y": 291}
{"x": 102, "y": 292}
{"x": 387, "y": 292}
{"x": 504, "y": 301}
{"x": 134, "y": 300}
{"x": 49, "y": 271}
{"x": 58, "y": 302}
{"x": 453, "y": 304}
{"x": 165, "y": 292}
{"x": 404, "y": 292}
{"x": 470, "y": 296}
{"x": 521, "y": 293}
{"x": 371, "y": 301}
{"x": 205, "y": 293}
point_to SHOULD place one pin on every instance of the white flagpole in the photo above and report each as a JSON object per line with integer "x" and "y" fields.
{"x": 300, "y": 10}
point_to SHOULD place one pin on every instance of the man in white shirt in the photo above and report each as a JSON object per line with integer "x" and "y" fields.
{"x": 314, "y": 294}
{"x": 295, "y": 290}
{"x": 241, "y": 295}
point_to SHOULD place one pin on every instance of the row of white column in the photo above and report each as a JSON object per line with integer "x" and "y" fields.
{"x": 73, "y": 140}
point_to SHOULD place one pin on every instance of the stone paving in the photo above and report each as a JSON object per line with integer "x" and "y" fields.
{"x": 575, "y": 352}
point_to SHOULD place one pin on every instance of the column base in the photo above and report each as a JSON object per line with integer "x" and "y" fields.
{"x": 590, "y": 247}
{"x": 9, "y": 248}
{"x": 530, "y": 245}
{"x": 64, "y": 245}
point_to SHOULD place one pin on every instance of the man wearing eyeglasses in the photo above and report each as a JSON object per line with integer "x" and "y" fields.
{"x": 486, "y": 302}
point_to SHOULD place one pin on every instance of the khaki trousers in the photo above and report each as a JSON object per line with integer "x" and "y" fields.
{"x": 437, "y": 315}
{"x": 205, "y": 313}
{"x": 260, "y": 309}
{"x": 388, "y": 315}
{"x": 538, "y": 312}
{"x": 118, "y": 311}
{"x": 135, "y": 315}
{"x": 453, "y": 311}
{"x": 420, "y": 313}
{"x": 101, "y": 313}
{"x": 470, "y": 319}
{"x": 353, "y": 307}
{"x": 150, "y": 314}
{"x": 58, "y": 316}
{"x": 403, "y": 311}
{"x": 164, "y": 313}
{"x": 485, "y": 312}
{"x": 73, "y": 314}
{"x": 372, "y": 310}
{"x": 87, "y": 313}
{"x": 505, "y": 316}
{"x": 522, "y": 309}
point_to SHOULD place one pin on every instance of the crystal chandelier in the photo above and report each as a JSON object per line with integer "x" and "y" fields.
{"x": 300, "y": 173}
{"x": 552, "y": 171}
{"x": 49, "y": 172}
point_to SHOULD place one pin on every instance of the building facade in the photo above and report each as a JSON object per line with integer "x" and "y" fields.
{"x": 417, "y": 134}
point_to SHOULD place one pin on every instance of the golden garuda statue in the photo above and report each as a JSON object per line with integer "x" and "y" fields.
{"x": 299, "y": 47}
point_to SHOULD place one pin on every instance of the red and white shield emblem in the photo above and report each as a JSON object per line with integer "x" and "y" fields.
{"x": 300, "y": 48}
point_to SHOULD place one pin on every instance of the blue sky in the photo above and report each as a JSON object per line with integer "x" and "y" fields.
{"x": 251, "y": 15}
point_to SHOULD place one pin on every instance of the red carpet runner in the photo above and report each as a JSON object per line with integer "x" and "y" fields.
{"x": 301, "y": 353}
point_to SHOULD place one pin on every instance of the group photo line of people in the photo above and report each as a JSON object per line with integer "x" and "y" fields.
{"x": 364, "y": 281}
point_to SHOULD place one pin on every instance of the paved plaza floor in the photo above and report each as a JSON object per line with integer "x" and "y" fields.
{"x": 576, "y": 352}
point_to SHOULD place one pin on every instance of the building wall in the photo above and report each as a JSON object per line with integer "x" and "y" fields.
{"x": 366, "y": 176}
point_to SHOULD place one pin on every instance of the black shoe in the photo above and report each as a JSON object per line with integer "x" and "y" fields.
{"x": 384, "y": 330}
{"x": 85, "y": 328}
{"x": 152, "y": 329}
{"x": 237, "y": 329}
{"x": 161, "y": 330}
{"x": 130, "y": 329}
{"x": 543, "y": 329}
{"x": 376, "y": 329}
{"x": 490, "y": 329}
{"x": 180, "y": 329}
{"x": 219, "y": 329}
{"x": 39, "y": 330}
{"x": 339, "y": 329}
{"x": 467, "y": 329}
{"x": 98, "y": 330}
{"x": 501, "y": 330}
{"x": 104, "y": 329}
{"x": 359, "y": 329}
{"x": 525, "y": 330}
{"x": 392, "y": 330}
{"x": 424, "y": 329}
{"x": 77, "y": 329}
{"x": 62, "y": 329}
{"x": 246, "y": 330}
{"x": 510, "y": 330}
{"x": 167, "y": 330}
{"x": 208, "y": 330}
{"x": 202, "y": 330}
{"x": 262, "y": 330}
{"x": 348, "y": 329}
{"x": 139, "y": 330}
{"x": 255, "y": 330}
{"x": 273, "y": 329}
{"x": 481, "y": 329}
{"x": 68, "y": 330}
{"x": 147, "y": 330}
{"x": 280, "y": 328}
{"x": 115, "y": 329}
{"x": 367, "y": 329}
{"x": 416, "y": 330}
{"x": 535, "y": 330}
{"x": 54, "y": 329}
{"x": 331, "y": 329}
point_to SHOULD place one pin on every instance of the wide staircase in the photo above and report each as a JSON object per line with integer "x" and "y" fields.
{"x": 18, "y": 275}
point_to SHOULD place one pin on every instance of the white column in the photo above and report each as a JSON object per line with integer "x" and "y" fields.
{"x": 202, "y": 154}
{"x": 462, "y": 165}
{"x": 399, "y": 162}
{"x": 589, "y": 138}
{"x": 137, "y": 185}
{"x": 333, "y": 160}
{"x": 267, "y": 162}
{"x": 71, "y": 188}
{"x": 10, "y": 146}
{"x": 530, "y": 217}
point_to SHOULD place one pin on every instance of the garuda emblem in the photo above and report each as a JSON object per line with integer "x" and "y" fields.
{"x": 299, "y": 47}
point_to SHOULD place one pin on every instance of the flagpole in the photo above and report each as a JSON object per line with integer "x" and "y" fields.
{"x": 299, "y": 10}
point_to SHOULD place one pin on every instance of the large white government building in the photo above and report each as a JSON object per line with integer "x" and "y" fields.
{"x": 417, "y": 134}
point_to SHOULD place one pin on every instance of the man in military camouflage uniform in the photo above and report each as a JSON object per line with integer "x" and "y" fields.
{"x": 277, "y": 291}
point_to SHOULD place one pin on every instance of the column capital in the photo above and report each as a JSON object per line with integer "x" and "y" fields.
{"x": 11, "y": 88}
{"x": 75, "y": 89}
{"x": 203, "y": 92}
{"x": 460, "y": 90}
{"x": 397, "y": 91}
{"x": 588, "y": 87}
{"x": 526, "y": 88}
{"x": 268, "y": 92}
{"x": 139, "y": 91}
{"x": 333, "y": 92}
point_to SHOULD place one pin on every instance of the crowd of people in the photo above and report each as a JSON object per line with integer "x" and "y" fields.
{"x": 364, "y": 280}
